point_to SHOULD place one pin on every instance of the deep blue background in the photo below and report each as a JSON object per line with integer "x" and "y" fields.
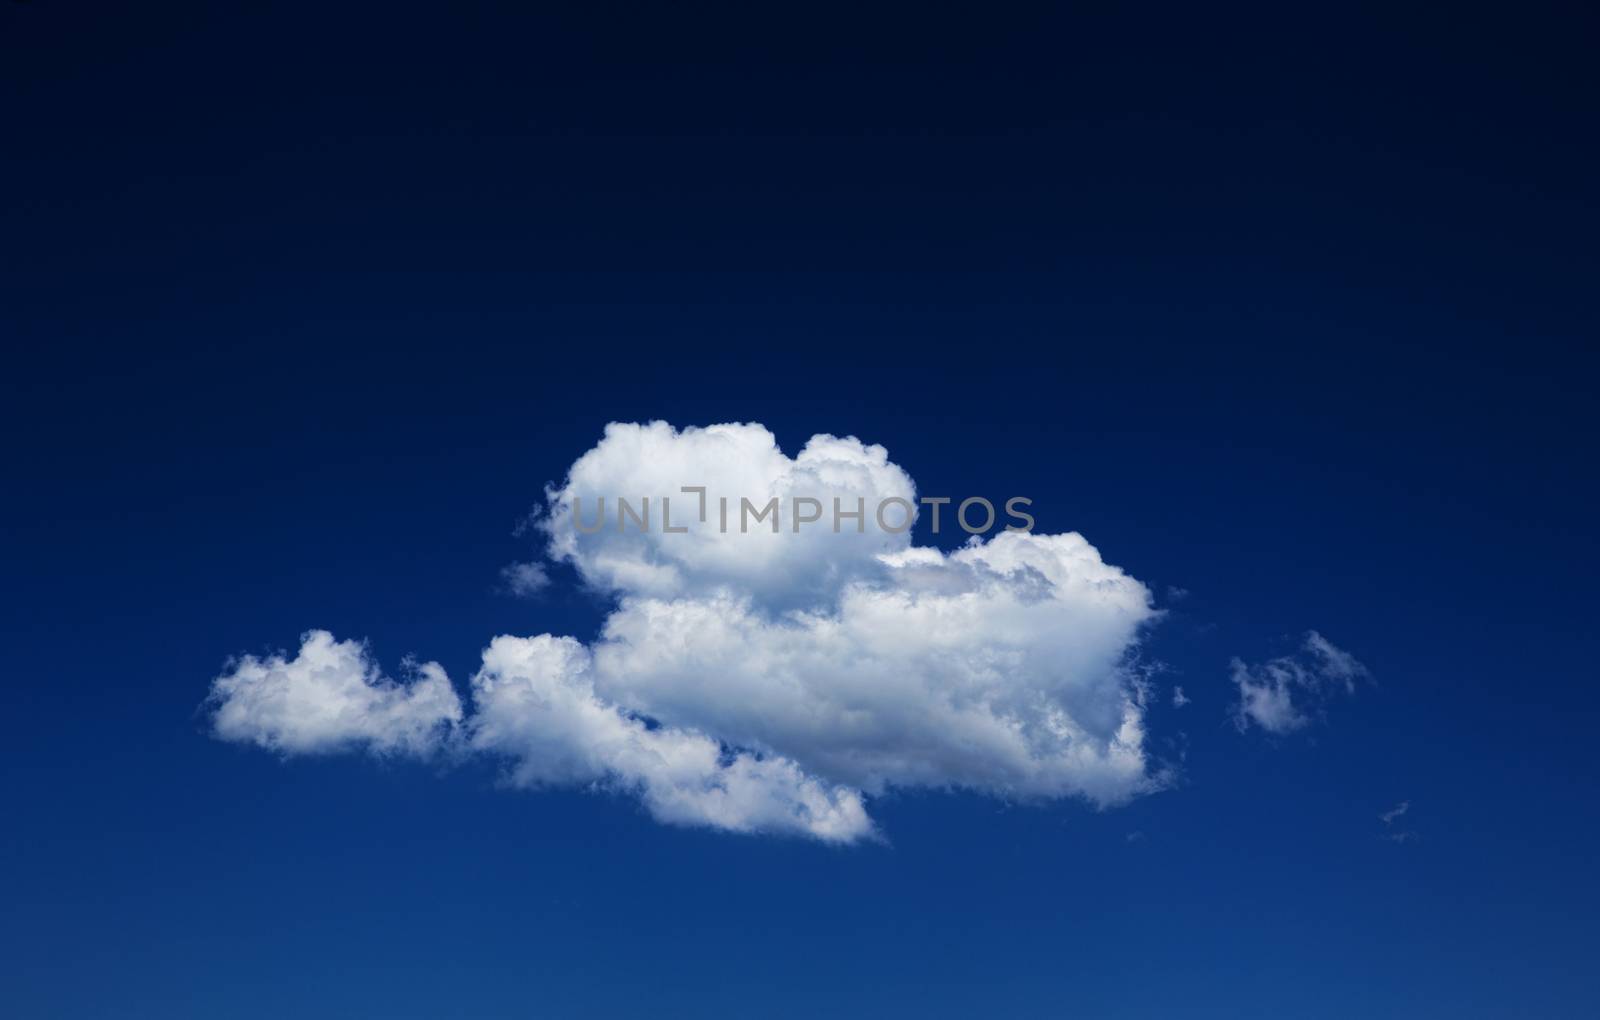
{"x": 303, "y": 308}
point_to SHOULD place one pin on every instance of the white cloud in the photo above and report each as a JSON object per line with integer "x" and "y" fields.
{"x": 1394, "y": 833}
{"x": 331, "y": 697}
{"x": 1281, "y": 695}
{"x": 788, "y": 569}
{"x": 1179, "y": 699}
{"x": 1334, "y": 663}
{"x": 524, "y": 579}
{"x": 996, "y": 668}
{"x": 761, "y": 682}
{"x": 536, "y": 704}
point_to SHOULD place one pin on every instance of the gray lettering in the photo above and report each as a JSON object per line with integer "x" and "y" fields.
{"x": 860, "y": 514}
{"x": 577, "y": 516}
{"x": 961, "y": 515}
{"x": 624, "y": 511}
{"x": 905, "y": 525}
{"x": 800, "y": 518}
{"x": 666, "y": 518}
{"x": 936, "y": 502}
{"x": 701, "y": 489}
{"x": 745, "y": 508}
{"x": 1014, "y": 512}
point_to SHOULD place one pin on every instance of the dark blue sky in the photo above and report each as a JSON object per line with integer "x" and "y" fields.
{"x": 302, "y": 310}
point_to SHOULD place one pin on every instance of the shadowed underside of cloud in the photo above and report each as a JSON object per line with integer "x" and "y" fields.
{"x": 759, "y": 681}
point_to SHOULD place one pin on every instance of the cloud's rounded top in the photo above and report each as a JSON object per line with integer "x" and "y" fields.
{"x": 726, "y": 546}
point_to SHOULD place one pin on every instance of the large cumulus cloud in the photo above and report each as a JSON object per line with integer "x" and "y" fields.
{"x": 772, "y": 682}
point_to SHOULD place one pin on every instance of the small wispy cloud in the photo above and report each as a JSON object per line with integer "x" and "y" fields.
{"x": 1281, "y": 695}
{"x": 1394, "y": 814}
{"x": 1179, "y": 699}
{"x": 524, "y": 579}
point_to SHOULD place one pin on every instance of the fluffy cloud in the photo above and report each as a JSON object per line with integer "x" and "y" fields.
{"x": 536, "y": 704}
{"x": 331, "y": 697}
{"x": 997, "y": 668}
{"x": 788, "y": 568}
{"x": 1281, "y": 695}
{"x": 755, "y": 681}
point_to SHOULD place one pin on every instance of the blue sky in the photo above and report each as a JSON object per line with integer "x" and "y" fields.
{"x": 1292, "y": 322}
